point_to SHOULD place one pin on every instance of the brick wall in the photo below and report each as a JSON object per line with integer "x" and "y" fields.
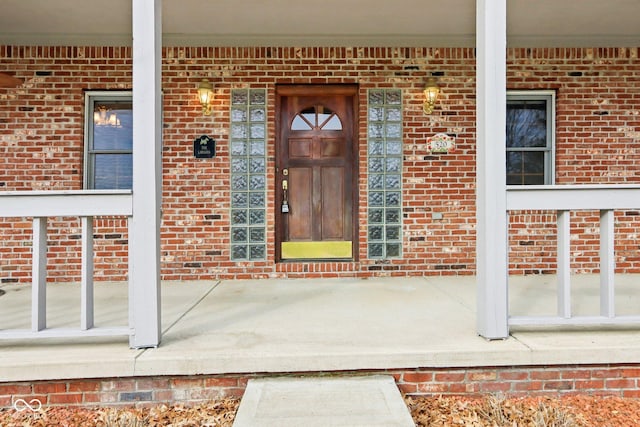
{"x": 41, "y": 142}
{"x": 597, "y": 135}
{"x": 617, "y": 380}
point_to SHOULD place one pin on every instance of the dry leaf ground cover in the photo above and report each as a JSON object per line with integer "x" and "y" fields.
{"x": 569, "y": 411}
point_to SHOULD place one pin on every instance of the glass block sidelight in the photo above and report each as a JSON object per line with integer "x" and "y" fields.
{"x": 384, "y": 165}
{"x": 248, "y": 174}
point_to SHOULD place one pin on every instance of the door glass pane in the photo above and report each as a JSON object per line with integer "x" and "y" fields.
{"x": 318, "y": 117}
{"x": 299, "y": 123}
{"x": 331, "y": 123}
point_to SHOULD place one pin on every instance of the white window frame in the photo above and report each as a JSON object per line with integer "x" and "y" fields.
{"x": 90, "y": 98}
{"x": 549, "y": 96}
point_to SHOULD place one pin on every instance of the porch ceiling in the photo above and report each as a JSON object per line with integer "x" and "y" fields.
{"x": 329, "y": 22}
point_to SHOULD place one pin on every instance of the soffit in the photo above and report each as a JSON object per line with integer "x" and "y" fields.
{"x": 328, "y": 22}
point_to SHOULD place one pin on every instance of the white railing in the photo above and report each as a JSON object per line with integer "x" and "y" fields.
{"x": 563, "y": 200}
{"x": 40, "y": 205}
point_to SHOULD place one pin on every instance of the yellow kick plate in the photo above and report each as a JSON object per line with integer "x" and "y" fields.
{"x": 316, "y": 250}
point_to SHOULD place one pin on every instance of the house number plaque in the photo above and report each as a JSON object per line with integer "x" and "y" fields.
{"x": 441, "y": 143}
{"x": 204, "y": 147}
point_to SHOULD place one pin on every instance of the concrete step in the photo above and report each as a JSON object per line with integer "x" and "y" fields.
{"x": 323, "y": 402}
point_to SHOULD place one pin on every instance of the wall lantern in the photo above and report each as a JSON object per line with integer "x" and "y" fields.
{"x": 431, "y": 92}
{"x": 205, "y": 96}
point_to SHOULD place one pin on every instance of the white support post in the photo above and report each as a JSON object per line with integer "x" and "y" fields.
{"x": 144, "y": 235}
{"x": 39, "y": 275}
{"x": 607, "y": 263}
{"x": 564, "y": 264}
{"x": 86, "y": 274}
{"x": 491, "y": 196}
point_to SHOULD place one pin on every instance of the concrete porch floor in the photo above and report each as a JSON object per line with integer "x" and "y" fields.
{"x": 314, "y": 325}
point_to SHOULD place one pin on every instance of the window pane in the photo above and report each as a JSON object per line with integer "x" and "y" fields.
{"x": 238, "y": 115}
{"x": 393, "y": 250}
{"x": 375, "y": 233}
{"x": 529, "y": 138}
{"x": 257, "y": 252}
{"x": 384, "y": 130}
{"x": 238, "y": 252}
{"x": 376, "y": 164}
{"x": 113, "y": 126}
{"x": 329, "y": 122}
{"x": 257, "y": 97}
{"x": 514, "y": 163}
{"x": 248, "y": 174}
{"x": 376, "y": 216}
{"x": 113, "y": 171}
{"x": 109, "y": 140}
{"x": 526, "y": 123}
{"x": 525, "y": 168}
{"x": 376, "y": 250}
{"x": 533, "y": 162}
{"x": 300, "y": 123}
{"x": 514, "y": 179}
{"x": 534, "y": 179}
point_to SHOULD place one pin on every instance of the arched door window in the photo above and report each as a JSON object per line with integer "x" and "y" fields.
{"x": 317, "y": 117}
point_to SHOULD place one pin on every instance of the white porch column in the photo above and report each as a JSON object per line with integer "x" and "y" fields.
{"x": 491, "y": 197}
{"x": 144, "y": 232}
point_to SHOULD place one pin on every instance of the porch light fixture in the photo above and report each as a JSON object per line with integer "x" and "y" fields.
{"x": 431, "y": 92}
{"x": 205, "y": 96}
{"x": 103, "y": 116}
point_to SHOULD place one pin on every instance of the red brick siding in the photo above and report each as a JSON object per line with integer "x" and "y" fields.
{"x": 618, "y": 380}
{"x": 597, "y": 132}
{"x": 41, "y": 141}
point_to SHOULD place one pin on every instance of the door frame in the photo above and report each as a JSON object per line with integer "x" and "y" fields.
{"x": 288, "y": 90}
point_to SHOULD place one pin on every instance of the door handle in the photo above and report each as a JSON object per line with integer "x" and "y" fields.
{"x": 285, "y": 203}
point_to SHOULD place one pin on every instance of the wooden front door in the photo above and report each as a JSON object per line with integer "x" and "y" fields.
{"x": 316, "y": 159}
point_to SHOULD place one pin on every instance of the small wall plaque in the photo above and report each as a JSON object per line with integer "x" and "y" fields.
{"x": 441, "y": 143}
{"x": 204, "y": 147}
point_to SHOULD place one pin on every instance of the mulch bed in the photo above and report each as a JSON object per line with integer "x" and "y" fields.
{"x": 567, "y": 411}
